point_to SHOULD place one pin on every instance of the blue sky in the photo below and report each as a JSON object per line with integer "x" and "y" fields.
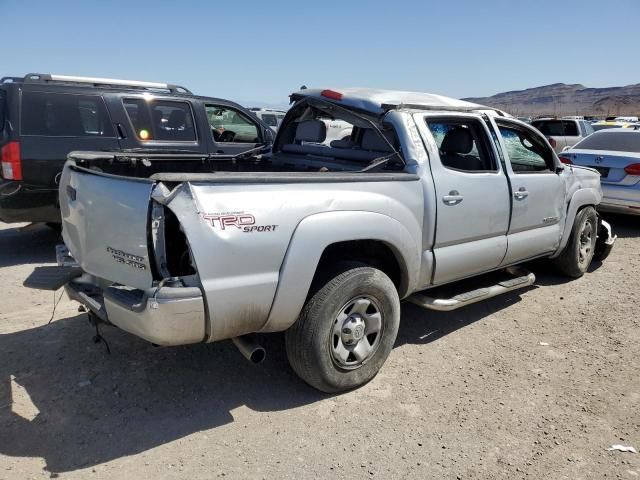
{"x": 261, "y": 51}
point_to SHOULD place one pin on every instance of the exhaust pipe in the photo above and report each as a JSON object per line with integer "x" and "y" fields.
{"x": 250, "y": 348}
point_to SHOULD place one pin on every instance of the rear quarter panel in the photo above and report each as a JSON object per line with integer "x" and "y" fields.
{"x": 239, "y": 235}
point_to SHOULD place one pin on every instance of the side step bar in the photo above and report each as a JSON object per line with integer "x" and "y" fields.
{"x": 521, "y": 279}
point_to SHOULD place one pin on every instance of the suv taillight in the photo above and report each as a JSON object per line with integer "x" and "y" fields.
{"x": 11, "y": 163}
{"x": 565, "y": 160}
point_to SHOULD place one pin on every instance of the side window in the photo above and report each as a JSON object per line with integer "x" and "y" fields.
{"x": 270, "y": 119}
{"x": 570, "y": 128}
{"x": 64, "y": 115}
{"x": 2, "y": 108}
{"x": 462, "y": 144}
{"x": 161, "y": 120}
{"x": 230, "y": 125}
{"x": 527, "y": 152}
{"x": 588, "y": 129}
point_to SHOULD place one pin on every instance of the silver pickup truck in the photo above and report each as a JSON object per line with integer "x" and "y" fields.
{"x": 322, "y": 240}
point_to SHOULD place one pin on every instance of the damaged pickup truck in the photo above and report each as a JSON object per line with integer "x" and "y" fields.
{"x": 322, "y": 239}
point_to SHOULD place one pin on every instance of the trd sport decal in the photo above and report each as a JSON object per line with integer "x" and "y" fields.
{"x": 241, "y": 220}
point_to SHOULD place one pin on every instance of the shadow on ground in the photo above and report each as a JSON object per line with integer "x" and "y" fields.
{"x": 36, "y": 244}
{"x": 85, "y": 407}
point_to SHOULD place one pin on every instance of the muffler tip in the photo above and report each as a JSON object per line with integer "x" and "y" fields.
{"x": 250, "y": 349}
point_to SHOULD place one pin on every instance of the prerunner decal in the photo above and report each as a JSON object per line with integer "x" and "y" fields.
{"x": 243, "y": 221}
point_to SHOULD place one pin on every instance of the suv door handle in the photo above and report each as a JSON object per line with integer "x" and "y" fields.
{"x": 453, "y": 198}
{"x": 521, "y": 193}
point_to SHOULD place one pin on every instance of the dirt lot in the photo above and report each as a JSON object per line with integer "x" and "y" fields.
{"x": 535, "y": 384}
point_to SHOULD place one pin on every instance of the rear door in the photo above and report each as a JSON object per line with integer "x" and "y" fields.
{"x": 472, "y": 191}
{"x": 157, "y": 123}
{"x": 52, "y": 124}
{"x": 538, "y": 192}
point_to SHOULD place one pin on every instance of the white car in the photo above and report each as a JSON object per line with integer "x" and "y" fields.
{"x": 615, "y": 154}
{"x": 563, "y": 132}
{"x": 271, "y": 117}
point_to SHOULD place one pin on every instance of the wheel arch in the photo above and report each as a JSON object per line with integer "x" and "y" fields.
{"x": 330, "y": 237}
{"x": 582, "y": 198}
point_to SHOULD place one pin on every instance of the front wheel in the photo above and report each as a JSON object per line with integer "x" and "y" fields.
{"x": 345, "y": 331}
{"x": 577, "y": 255}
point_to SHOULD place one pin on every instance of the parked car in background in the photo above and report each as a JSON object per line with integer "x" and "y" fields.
{"x": 615, "y": 153}
{"x": 320, "y": 240}
{"x": 607, "y": 124}
{"x": 44, "y": 117}
{"x": 271, "y": 117}
{"x": 563, "y": 132}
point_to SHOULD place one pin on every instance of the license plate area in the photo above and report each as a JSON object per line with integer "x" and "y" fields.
{"x": 603, "y": 171}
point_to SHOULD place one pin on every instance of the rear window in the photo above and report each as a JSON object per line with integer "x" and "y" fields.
{"x": 64, "y": 115}
{"x": 270, "y": 119}
{"x": 615, "y": 141}
{"x": 557, "y": 128}
{"x": 161, "y": 120}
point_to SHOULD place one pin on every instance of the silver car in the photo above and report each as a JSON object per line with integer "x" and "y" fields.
{"x": 615, "y": 153}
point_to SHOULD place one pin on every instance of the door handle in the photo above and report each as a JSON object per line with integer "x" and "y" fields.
{"x": 521, "y": 193}
{"x": 453, "y": 198}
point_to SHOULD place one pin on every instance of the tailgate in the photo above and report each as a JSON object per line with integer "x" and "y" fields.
{"x": 104, "y": 222}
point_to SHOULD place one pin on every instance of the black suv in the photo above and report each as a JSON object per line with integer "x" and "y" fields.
{"x": 44, "y": 117}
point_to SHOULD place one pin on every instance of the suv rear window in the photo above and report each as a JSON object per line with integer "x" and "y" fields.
{"x": 557, "y": 128}
{"x": 64, "y": 115}
{"x": 161, "y": 120}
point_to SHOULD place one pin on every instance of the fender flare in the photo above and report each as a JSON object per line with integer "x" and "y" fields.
{"x": 314, "y": 234}
{"x": 581, "y": 198}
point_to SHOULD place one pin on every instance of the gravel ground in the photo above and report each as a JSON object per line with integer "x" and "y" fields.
{"x": 534, "y": 384}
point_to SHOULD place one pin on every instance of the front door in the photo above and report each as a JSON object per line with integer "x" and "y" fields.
{"x": 538, "y": 190}
{"x": 472, "y": 195}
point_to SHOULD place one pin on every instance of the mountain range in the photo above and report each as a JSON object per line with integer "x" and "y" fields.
{"x": 566, "y": 99}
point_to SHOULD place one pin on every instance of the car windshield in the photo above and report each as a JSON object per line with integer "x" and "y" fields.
{"x": 614, "y": 141}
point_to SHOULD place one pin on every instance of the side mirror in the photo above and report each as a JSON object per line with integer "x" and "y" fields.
{"x": 269, "y": 136}
{"x": 565, "y": 149}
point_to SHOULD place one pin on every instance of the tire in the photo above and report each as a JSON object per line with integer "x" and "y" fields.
{"x": 56, "y": 227}
{"x": 328, "y": 346}
{"x": 577, "y": 255}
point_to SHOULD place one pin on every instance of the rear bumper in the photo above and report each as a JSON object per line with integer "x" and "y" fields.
{"x": 620, "y": 199}
{"x": 21, "y": 204}
{"x": 164, "y": 315}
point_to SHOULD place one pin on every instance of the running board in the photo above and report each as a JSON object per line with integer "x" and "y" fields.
{"x": 521, "y": 278}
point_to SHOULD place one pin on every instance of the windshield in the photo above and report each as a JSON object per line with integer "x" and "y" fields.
{"x": 614, "y": 141}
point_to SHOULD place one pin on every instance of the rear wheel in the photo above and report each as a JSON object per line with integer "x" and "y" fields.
{"x": 577, "y": 255}
{"x": 346, "y": 330}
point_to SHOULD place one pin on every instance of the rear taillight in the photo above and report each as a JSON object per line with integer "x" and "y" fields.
{"x": 633, "y": 169}
{"x": 552, "y": 142}
{"x": 565, "y": 160}
{"x": 11, "y": 163}
{"x": 333, "y": 95}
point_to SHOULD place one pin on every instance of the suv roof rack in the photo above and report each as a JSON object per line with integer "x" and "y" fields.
{"x": 95, "y": 81}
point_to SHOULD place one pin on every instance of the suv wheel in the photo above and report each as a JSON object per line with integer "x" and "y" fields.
{"x": 577, "y": 255}
{"x": 346, "y": 330}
